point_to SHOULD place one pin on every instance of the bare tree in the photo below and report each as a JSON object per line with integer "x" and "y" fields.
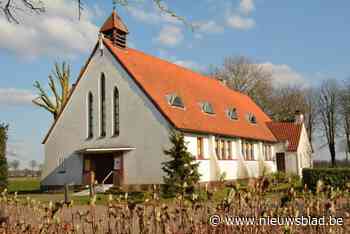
{"x": 285, "y": 102}
{"x": 311, "y": 96}
{"x": 345, "y": 113}
{"x": 14, "y": 165}
{"x": 59, "y": 95}
{"x": 33, "y": 164}
{"x": 11, "y": 8}
{"x": 328, "y": 105}
{"x": 245, "y": 76}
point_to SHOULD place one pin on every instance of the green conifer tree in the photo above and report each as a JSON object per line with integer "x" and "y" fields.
{"x": 3, "y": 161}
{"x": 182, "y": 170}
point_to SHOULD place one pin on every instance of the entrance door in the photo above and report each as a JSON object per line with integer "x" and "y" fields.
{"x": 103, "y": 166}
{"x": 118, "y": 170}
{"x": 281, "y": 163}
{"x": 98, "y": 165}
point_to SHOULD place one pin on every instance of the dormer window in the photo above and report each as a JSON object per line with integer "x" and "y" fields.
{"x": 207, "y": 108}
{"x": 175, "y": 100}
{"x": 232, "y": 113}
{"x": 251, "y": 118}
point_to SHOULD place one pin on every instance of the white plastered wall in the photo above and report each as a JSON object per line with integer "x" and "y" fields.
{"x": 141, "y": 127}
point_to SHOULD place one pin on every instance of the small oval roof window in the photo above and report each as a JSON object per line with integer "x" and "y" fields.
{"x": 232, "y": 113}
{"x": 207, "y": 108}
{"x": 251, "y": 118}
{"x": 175, "y": 100}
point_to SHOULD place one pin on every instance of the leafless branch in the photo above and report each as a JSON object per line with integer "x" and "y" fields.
{"x": 10, "y": 7}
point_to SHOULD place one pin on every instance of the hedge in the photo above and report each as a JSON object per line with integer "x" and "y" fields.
{"x": 335, "y": 177}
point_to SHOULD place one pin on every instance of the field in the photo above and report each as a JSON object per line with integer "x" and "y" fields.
{"x": 32, "y": 212}
{"x": 30, "y": 187}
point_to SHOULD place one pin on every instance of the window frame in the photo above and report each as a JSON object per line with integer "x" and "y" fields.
{"x": 200, "y": 148}
{"x": 252, "y": 118}
{"x": 116, "y": 112}
{"x": 229, "y": 113}
{"x": 102, "y": 92}
{"x": 229, "y": 150}
{"x": 205, "y": 105}
{"x": 90, "y": 115}
{"x": 217, "y": 151}
{"x": 171, "y": 101}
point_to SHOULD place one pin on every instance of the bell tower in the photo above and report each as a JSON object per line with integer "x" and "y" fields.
{"x": 115, "y": 30}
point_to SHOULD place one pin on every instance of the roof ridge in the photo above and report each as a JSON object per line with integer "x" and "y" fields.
{"x": 284, "y": 122}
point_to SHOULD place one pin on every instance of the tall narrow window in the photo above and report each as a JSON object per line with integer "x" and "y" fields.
{"x": 200, "y": 147}
{"x": 243, "y": 149}
{"x": 103, "y": 105}
{"x": 223, "y": 149}
{"x": 217, "y": 148}
{"x": 247, "y": 149}
{"x": 252, "y": 156}
{"x": 229, "y": 149}
{"x": 115, "y": 112}
{"x": 90, "y": 116}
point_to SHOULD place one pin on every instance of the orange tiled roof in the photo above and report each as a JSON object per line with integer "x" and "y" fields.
{"x": 159, "y": 78}
{"x": 287, "y": 131}
{"x": 114, "y": 21}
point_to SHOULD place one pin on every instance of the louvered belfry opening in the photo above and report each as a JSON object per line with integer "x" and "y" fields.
{"x": 115, "y": 30}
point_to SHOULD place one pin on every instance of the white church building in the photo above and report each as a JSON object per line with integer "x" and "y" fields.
{"x": 120, "y": 112}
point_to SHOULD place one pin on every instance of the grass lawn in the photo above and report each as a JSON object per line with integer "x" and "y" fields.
{"x": 30, "y": 187}
{"x": 24, "y": 185}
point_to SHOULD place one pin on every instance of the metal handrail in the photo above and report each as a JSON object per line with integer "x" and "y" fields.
{"x": 109, "y": 174}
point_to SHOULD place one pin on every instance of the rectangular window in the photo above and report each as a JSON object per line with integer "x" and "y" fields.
{"x": 223, "y": 149}
{"x": 247, "y": 151}
{"x": 90, "y": 116}
{"x": 61, "y": 165}
{"x": 243, "y": 149}
{"x": 252, "y": 151}
{"x": 200, "y": 147}
{"x": 217, "y": 148}
{"x": 116, "y": 112}
{"x": 229, "y": 149}
{"x": 103, "y": 105}
{"x": 267, "y": 151}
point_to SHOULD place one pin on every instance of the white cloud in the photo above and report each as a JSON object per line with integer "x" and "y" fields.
{"x": 239, "y": 22}
{"x": 17, "y": 97}
{"x": 170, "y": 35}
{"x": 246, "y": 6}
{"x": 208, "y": 27}
{"x": 181, "y": 62}
{"x": 283, "y": 74}
{"x": 151, "y": 15}
{"x": 57, "y": 32}
{"x": 189, "y": 64}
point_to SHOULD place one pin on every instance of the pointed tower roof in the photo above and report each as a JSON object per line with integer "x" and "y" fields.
{"x": 114, "y": 22}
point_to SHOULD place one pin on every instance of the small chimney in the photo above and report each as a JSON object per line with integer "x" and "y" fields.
{"x": 299, "y": 117}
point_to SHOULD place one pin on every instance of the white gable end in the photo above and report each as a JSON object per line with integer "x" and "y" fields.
{"x": 141, "y": 125}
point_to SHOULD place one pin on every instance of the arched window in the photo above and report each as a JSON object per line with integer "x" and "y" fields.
{"x": 103, "y": 105}
{"x": 115, "y": 112}
{"x": 90, "y": 115}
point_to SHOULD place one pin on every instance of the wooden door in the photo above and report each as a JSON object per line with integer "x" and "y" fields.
{"x": 281, "y": 162}
{"x": 118, "y": 170}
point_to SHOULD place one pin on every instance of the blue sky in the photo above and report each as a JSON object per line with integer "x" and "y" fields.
{"x": 298, "y": 41}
